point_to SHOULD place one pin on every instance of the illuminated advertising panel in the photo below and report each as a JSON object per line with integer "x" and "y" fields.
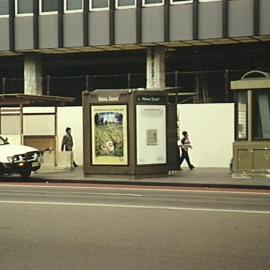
{"x": 151, "y": 134}
{"x": 109, "y": 135}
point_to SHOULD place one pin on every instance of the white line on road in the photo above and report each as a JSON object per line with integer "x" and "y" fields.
{"x": 137, "y": 207}
{"x": 115, "y": 194}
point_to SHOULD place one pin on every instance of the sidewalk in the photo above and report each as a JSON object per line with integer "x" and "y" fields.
{"x": 199, "y": 177}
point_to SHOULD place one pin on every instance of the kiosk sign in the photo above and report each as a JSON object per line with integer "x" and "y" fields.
{"x": 151, "y": 99}
{"x": 151, "y": 134}
{"x": 109, "y": 135}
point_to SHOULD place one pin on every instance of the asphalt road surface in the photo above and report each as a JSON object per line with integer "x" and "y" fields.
{"x": 96, "y": 228}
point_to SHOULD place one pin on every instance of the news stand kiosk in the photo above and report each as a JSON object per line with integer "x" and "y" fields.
{"x": 251, "y": 149}
{"x": 129, "y": 132}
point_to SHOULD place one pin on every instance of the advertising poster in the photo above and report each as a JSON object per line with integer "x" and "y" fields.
{"x": 109, "y": 135}
{"x": 151, "y": 134}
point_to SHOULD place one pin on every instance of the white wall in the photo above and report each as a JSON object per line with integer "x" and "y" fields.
{"x": 38, "y": 124}
{"x": 211, "y": 131}
{"x": 71, "y": 117}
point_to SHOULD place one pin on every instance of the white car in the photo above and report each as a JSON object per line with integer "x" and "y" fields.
{"x": 18, "y": 159}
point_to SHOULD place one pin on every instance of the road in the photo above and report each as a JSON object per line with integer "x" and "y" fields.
{"x": 90, "y": 227}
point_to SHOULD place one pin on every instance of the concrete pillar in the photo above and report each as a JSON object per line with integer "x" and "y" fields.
{"x": 155, "y": 68}
{"x": 32, "y": 74}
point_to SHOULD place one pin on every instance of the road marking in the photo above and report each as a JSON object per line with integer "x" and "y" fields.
{"x": 137, "y": 207}
{"x": 115, "y": 194}
{"x": 79, "y": 188}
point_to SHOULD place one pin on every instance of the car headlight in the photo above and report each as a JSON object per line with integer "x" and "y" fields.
{"x": 15, "y": 159}
{"x": 10, "y": 159}
{"x": 36, "y": 155}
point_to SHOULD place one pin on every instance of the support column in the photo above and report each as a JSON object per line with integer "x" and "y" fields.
{"x": 33, "y": 74}
{"x": 155, "y": 68}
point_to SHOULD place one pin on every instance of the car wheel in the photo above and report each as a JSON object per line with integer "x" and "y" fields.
{"x": 26, "y": 173}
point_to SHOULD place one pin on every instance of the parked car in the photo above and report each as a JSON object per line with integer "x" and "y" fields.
{"x": 18, "y": 159}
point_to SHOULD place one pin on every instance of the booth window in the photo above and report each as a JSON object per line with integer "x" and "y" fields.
{"x": 4, "y": 8}
{"x": 241, "y": 116}
{"x": 99, "y": 5}
{"x": 24, "y": 7}
{"x": 175, "y": 2}
{"x": 73, "y": 5}
{"x": 48, "y": 6}
{"x": 121, "y": 4}
{"x": 261, "y": 115}
{"x": 209, "y": 0}
{"x": 153, "y": 2}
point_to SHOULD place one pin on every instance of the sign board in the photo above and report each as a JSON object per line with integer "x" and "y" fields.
{"x": 151, "y": 99}
{"x": 151, "y": 134}
{"x": 109, "y": 135}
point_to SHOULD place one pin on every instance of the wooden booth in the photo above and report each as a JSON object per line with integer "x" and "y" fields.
{"x": 251, "y": 149}
{"x": 129, "y": 132}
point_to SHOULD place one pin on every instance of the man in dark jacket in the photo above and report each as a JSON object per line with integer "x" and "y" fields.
{"x": 67, "y": 143}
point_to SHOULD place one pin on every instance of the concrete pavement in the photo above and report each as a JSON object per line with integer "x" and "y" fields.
{"x": 199, "y": 177}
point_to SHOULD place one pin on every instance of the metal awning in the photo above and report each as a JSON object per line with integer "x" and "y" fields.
{"x": 254, "y": 79}
{"x": 14, "y": 104}
{"x": 8, "y": 100}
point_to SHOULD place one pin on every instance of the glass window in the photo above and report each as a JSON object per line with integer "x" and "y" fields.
{"x": 261, "y": 115}
{"x": 73, "y": 5}
{"x": 24, "y": 7}
{"x": 241, "y": 116}
{"x": 48, "y": 6}
{"x": 99, "y": 4}
{"x": 181, "y": 1}
{"x": 125, "y": 3}
{"x": 4, "y": 7}
{"x": 153, "y": 2}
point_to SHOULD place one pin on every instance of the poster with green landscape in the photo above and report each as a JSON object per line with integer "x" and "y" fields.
{"x": 109, "y": 135}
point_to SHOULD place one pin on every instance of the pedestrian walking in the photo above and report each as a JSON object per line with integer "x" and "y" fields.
{"x": 185, "y": 145}
{"x": 67, "y": 143}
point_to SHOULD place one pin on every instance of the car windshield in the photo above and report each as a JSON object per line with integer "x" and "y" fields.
{"x": 3, "y": 141}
